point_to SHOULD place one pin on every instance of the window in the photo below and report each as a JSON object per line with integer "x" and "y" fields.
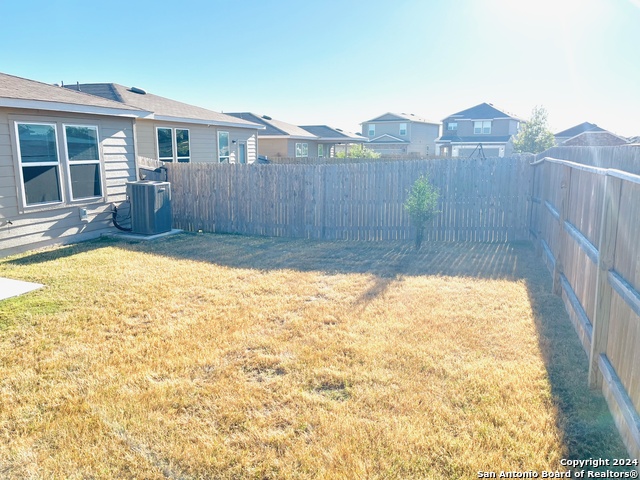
{"x": 40, "y": 166}
{"x": 224, "y": 154}
{"x": 170, "y": 137}
{"x": 302, "y": 149}
{"x": 403, "y": 129}
{"x": 452, "y": 126}
{"x": 482, "y": 127}
{"x": 372, "y": 129}
{"x": 182, "y": 145}
{"x": 83, "y": 160}
{"x": 320, "y": 150}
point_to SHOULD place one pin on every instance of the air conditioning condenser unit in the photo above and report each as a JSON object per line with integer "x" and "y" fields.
{"x": 150, "y": 206}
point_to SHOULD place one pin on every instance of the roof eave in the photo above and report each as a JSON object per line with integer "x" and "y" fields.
{"x": 216, "y": 123}
{"x": 289, "y": 137}
{"x": 342, "y": 139}
{"x": 73, "y": 108}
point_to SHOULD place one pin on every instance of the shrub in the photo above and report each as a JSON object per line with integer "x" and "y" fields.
{"x": 422, "y": 205}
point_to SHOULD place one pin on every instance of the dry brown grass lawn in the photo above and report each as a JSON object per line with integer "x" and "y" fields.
{"x": 208, "y": 356}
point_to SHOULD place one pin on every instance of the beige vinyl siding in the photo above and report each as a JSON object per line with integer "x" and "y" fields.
{"x": 8, "y": 191}
{"x": 38, "y": 227}
{"x": 242, "y": 135}
{"x": 423, "y": 139}
{"x": 420, "y": 136}
{"x": 274, "y": 147}
{"x": 203, "y": 140}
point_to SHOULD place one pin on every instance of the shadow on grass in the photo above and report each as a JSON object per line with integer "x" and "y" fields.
{"x": 584, "y": 419}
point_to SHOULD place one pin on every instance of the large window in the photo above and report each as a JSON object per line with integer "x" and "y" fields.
{"x": 482, "y": 127}
{"x": 403, "y": 129}
{"x": 302, "y": 149}
{"x": 173, "y": 145}
{"x": 39, "y": 162}
{"x": 224, "y": 154}
{"x": 83, "y": 158}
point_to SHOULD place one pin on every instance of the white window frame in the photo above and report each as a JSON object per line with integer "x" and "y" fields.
{"x": 174, "y": 145}
{"x": 320, "y": 150}
{"x": 479, "y": 127}
{"x": 371, "y": 130}
{"x": 39, "y": 164}
{"x": 224, "y": 158}
{"x": 302, "y": 150}
{"x": 182, "y": 159}
{"x": 401, "y": 130}
{"x": 70, "y": 162}
{"x": 451, "y": 126}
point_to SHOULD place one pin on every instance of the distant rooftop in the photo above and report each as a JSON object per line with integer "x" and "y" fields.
{"x": 327, "y": 133}
{"x": 395, "y": 117}
{"x": 276, "y": 128}
{"x": 483, "y": 111}
{"x": 580, "y": 128}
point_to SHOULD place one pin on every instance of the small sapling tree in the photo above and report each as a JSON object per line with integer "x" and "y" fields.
{"x": 422, "y": 205}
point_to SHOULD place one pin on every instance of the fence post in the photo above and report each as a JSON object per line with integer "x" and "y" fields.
{"x": 565, "y": 186}
{"x": 534, "y": 218}
{"x": 606, "y": 249}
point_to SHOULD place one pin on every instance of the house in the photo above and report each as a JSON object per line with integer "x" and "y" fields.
{"x": 333, "y": 140}
{"x": 282, "y": 139}
{"x": 65, "y": 158}
{"x": 588, "y": 135}
{"x": 179, "y": 132}
{"x": 482, "y": 129}
{"x": 401, "y": 134}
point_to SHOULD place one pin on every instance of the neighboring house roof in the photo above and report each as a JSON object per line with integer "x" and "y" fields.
{"x": 578, "y": 129}
{"x": 475, "y": 139}
{"x": 399, "y": 117}
{"x": 386, "y": 138}
{"x": 275, "y": 128}
{"x": 161, "y": 107}
{"x": 324, "y": 132}
{"x": 595, "y": 138}
{"x": 483, "y": 111}
{"x": 24, "y": 93}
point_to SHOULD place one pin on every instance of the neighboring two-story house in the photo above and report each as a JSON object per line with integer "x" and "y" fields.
{"x": 482, "y": 130}
{"x": 401, "y": 134}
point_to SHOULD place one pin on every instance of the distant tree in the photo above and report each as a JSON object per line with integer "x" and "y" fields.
{"x": 534, "y": 136}
{"x": 422, "y": 205}
{"x": 357, "y": 151}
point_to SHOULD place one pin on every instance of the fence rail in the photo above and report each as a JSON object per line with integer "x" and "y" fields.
{"x": 587, "y": 221}
{"x": 484, "y": 200}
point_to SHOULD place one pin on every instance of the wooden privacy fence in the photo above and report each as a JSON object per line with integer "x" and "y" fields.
{"x": 587, "y": 222}
{"x": 482, "y": 200}
{"x": 622, "y": 157}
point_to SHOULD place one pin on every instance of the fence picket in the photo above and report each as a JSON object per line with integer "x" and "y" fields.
{"x": 352, "y": 201}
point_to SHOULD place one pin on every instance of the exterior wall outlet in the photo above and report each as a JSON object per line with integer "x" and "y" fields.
{"x": 83, "y": 214}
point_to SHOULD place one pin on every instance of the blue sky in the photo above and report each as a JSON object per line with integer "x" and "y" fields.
{"x": 343, "y": 62}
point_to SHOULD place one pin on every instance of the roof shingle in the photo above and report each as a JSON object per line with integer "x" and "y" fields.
{"x": 17, "y": 88}
{"x": 160, "y": 106}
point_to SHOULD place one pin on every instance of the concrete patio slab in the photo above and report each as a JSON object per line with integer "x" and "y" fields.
{"x": 136, "y": 236}
{"x": 12, "y": 288}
